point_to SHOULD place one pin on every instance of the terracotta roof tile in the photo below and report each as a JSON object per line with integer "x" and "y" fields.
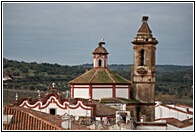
{"x": 28, "y": 119}
{"x": 177, "y": 123}
{"x": 100, "y": 49}
{"x": 99, "y": 76}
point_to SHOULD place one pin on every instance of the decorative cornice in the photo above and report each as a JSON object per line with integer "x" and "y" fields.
{"x": 63, "y": 104}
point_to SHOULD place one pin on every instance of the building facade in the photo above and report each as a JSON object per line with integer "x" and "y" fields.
{"x": 53, "y": 103}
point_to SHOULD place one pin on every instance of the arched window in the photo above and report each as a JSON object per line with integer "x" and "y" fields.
{"x": 142, "y": 57}
{"x": 100, "y": 63}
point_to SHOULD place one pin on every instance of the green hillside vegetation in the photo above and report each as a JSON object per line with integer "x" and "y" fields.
{"x": 173, "y": 83}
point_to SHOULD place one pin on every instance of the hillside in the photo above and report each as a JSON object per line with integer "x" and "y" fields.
{"x": 173, "y": 83}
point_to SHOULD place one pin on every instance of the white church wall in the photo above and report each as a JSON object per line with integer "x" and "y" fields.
{"x": 59, "y": 111}
{"x": 78, "y": 109}
{"x": 122, "y": 92}
{"x": 81, "y": 93}
{"x": 98, "y": 93}
{"x": 79, "y": 112}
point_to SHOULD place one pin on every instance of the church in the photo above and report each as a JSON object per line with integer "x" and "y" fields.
{"x": 136, "y": 96}
{"x": 100, "y": 82}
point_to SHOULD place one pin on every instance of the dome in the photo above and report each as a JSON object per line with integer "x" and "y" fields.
{"x": 100, "y": 49}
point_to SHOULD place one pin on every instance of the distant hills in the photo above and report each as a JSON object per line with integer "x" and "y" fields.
{"x": 172, "y": 81}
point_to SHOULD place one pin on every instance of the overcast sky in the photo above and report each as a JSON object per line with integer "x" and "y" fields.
{"x": 68, "y": 33}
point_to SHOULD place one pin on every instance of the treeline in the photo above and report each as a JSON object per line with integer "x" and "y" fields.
{"x": 31, "y": 76}
{"x": 170, "y": 79}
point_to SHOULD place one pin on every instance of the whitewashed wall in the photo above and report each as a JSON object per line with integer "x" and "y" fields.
{"x": 164, "y": 112}
{"x": 99, "y": 93}
{"x": 183, "y": 108}
{"x": 122, "y": 92}
{"x": 80, "y": 112}
{"x": 81, "y": 93}
{"x": 61, "y": 109}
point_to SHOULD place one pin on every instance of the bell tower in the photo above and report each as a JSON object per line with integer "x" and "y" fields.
{"x": 143, "y": 70}
{"x": 100, "y": 58}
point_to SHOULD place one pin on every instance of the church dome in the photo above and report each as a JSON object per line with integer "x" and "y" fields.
{"x": 100, "y": 49}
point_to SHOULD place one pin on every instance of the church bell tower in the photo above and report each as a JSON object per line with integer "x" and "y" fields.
{"x": 143, "y": 70}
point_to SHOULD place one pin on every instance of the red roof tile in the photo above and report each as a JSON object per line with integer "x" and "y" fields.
{"x": 100, "y": 49}
{"x": 100, "y": 76}
{"x": 27, "y": 119}
{"x": 177, "y": 123}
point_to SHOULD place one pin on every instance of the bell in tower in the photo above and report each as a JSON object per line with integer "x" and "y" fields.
{"x": 143, "y": 70}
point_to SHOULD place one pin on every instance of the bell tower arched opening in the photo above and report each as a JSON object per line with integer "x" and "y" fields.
{"x": 100, "y": 56}
{"x": 100, "y": 63}
{"x": 142, "y": 57}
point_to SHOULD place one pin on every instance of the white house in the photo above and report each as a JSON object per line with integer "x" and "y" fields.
{"x": 178, "y": 117}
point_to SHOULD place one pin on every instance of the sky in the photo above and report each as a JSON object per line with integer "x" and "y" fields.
{"x": 67, "y": 33}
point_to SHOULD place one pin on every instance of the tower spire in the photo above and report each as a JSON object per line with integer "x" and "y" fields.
{"x": 143, "y": 70}
{"x": 144, "y": 29}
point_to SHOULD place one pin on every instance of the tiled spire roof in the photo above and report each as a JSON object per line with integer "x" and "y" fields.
{"x": 100, "y": 49}
{"x": 145, "y": 28}
{"x": 99, "y": 76}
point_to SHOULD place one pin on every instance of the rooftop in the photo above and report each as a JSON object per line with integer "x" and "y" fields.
{"x": 177, "y": 123}
{"x": 144, "y": 28}
{"x": 100, "y": 76}
{"x": 28, "y": 119}
{"x": 100, "y": 49}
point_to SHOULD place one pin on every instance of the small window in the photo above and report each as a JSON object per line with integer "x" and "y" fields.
{"x": 53, "y": 111}
{"x": 100, "y": 63}
{"x": 142, "y": 57}
{"x": 146, "y": 39}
